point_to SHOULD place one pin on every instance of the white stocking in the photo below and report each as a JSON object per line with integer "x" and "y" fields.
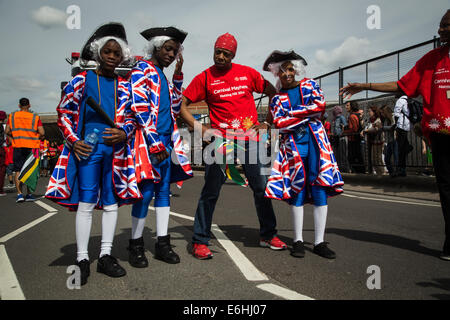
{"x": 162, "y": 221}
{"x": 83, "y": 222}
{"x": 297, "y": 219}
{"x": 320, "y": 220}
{"x": 137, "y": 227}
{"x": 109, "y": 221}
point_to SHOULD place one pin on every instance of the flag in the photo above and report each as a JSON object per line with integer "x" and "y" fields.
{"x": 29, "y": 173}
{"x": 227, "y": 148}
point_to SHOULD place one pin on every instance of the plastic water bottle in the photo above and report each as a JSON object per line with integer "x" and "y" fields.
{"x": 91, "y": 140}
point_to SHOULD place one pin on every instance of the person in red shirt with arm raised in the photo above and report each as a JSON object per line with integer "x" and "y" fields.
{"x": 228, "y": 90}
{"x": 430, "y": 78}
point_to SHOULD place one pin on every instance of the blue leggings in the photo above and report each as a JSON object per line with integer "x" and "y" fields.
{"x": 160, "y": 190}
{"x": 317, "y": 193}
{"x": 95, "y": 173}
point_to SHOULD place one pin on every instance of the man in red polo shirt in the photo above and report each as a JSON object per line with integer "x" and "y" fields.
{"x": 430, "y": 78}
{"x": 228, "y": 90}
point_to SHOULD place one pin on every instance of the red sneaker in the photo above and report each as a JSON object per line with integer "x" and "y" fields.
{"x": 275, "y": 244}
{"x": 201, "y": 251}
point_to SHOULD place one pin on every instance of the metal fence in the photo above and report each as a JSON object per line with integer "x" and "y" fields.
{"x": 388, "y": 67}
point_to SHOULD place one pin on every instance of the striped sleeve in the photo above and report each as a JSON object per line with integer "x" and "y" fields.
{"x": 69, "y": 107}
{"x": 177, "y": 95}
{"x": 141, "y": 106}
{"x": 314, "y": 98}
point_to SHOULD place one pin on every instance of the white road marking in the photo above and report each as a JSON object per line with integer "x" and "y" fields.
{"x": 390, "y": 200}
{"x": 45, "y": 206}
{"x": 9, "y": 285}
{"x": 282, "y": 292}
{"x": 250, "y": 272}
{"x": 52, "y": 212}
{"x": 26, "y": 227}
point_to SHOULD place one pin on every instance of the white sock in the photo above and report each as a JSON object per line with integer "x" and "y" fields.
{"x": 320, "y": 220}
{"x": 83, "y": 222}
{"x": 137, "y": 227}
{"x": 297, "y": 219}
{"x": 109, "y": 221}
{"x": 162, "y": 221}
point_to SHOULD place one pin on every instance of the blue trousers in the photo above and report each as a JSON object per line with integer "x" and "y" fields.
{"x": 160, "y": 190}
{"x": 95, "y": 173}
{"x": 306, "y": 146}
{"x": 214, "y": 179}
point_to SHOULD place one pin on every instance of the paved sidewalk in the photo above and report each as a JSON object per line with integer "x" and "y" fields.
{"x": 412, "y": 186}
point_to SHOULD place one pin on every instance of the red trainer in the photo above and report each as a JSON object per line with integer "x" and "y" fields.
{"x": 275, "y": 244}
{"x": 201, "y": 251}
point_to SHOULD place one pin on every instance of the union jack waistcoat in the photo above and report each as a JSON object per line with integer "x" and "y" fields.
{"x": 146, "y": 90}
{"x": 63, "y": 184}
{"x": 288, "y": 174}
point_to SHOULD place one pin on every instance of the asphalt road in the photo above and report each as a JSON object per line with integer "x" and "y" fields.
{"x": 400, "y": 236}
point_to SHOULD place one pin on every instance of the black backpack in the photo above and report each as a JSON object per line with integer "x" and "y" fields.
{"x": 415, "y": 110}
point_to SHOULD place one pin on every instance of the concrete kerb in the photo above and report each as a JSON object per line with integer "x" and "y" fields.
{"x": 419, "y": 187}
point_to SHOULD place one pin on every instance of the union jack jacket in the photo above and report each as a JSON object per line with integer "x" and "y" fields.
{"x": 288, "y": 175}
{"x": 146, "y": 90}
{"x": 63, "y": 184}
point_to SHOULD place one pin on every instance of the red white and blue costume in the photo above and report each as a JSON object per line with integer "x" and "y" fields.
{"x": 63, "y": 187}
{"x": 288, "y": 173}
{"x": 146, "y": 91}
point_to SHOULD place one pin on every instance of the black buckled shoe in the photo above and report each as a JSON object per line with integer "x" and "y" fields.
{"x": 164, "y": 252}
{"x": 298, "y": 249}
{"x": 108, "y": 265}
{"x": 322, "y": 250}
{"x": 136, "y": 255}
{"x": 85, "y": 271}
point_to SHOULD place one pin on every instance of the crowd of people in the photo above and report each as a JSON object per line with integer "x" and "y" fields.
{"x": 21, "y": 134}
{"x": 140, "y": 151}
{"x": 376, "y": 144}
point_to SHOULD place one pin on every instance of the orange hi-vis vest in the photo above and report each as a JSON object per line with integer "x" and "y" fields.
{"x": 24, "y": 126}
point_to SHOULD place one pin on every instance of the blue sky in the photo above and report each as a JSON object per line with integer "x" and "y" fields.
{"x": 328, "y": 34}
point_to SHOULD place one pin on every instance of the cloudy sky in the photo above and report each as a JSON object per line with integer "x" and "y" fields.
{"x": 35, "y": 39}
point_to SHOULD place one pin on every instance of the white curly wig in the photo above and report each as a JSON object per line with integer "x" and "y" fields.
{"x": 98, "y": 44}
{"x": 156, "y": 43}
{"x": 299, "y": 67}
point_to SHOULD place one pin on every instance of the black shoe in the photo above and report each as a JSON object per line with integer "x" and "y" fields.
{"x": 136, "y": 255}
{"x": 85, "y": 271}
{"x": 108, "y": 265}
{"x": 298, "y": 249}
{"x": 164, "y": 252}
{"x": 322, "y": 250}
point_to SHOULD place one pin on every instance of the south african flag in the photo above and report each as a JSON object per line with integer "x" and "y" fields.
{"x": 29, "y": 173}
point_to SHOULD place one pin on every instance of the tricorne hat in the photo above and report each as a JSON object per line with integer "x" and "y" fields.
{"x": 172, "y": 32}
{"x": 111, "y": 29}
{"x": 279, "y": 56}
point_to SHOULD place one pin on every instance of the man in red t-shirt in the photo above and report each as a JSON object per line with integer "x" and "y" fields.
{"x": 228, "y": 90}
{"x": 430, "y": 78}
